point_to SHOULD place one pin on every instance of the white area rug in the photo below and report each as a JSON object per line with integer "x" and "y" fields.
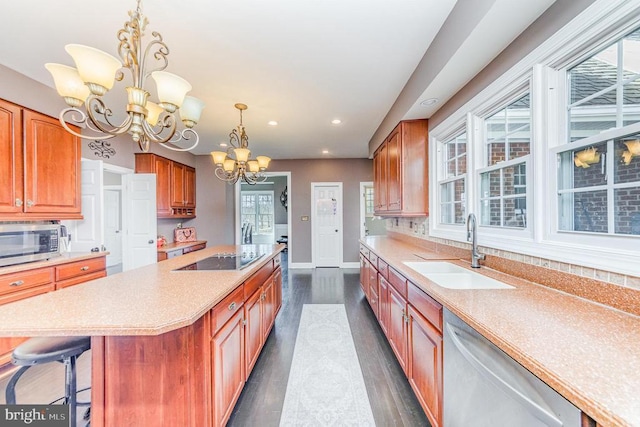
{"x": 325, "y": 387}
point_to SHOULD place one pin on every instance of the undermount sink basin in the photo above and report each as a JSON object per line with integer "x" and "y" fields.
{"x": 453, "y": 276}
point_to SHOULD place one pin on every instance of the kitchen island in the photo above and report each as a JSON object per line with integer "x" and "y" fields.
{"x": 168, "y": 347}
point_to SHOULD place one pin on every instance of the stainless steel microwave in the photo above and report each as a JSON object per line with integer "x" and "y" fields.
{"x": 20, "y": 243}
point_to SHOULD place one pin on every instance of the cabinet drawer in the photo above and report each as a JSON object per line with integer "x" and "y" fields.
{"x": 374, "y": 259}
{"x": 80, "y": 279}
{"x": 79, "y": 268}
{"x": 398, "y": 281}
{"x": 194, "y": 248}
{"x": 173, "y": 254}
{"x": 364, "y": 251}
{"x": 383, "y": 268}
{"x": 15, "y": 282}
{"x": 226, "y": 308}
{"x": 427, "y": 306}
{"x": 26, "y": 293}
{"x": 257, "y": 280}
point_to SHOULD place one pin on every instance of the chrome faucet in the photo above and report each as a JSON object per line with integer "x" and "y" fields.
{"x": 472, "y": 236}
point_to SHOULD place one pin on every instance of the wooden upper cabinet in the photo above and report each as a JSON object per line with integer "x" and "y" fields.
{"x": 401, "y": 175}
{"x": 11, "y": 162}
{"x": 175, "y": 185}
{"x": 39, "y": 167}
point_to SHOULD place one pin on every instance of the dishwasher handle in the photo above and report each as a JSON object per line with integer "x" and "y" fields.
{"x": 534, "y": 408}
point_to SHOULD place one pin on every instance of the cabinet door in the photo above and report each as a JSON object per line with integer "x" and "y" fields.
{"x": 253, "y": 329}
{"x": 11, "y": 161}
{"x": 364, "y": 275}
{"x": 227, "y": 358}
{"x": 380, "y": 163}
{"x": 177, "y": 185}
{"x": 163, "y": 186}
{"x": 373, "y": 279}
{"x": 269, "y": 304}
{"x": 52, "y": 167}
{"x": 425, "y": 365}
{"x": 398, "y": 327}
{"x": 384, "y": 307}
{"x": 189, "y": 187}
{"x": 277, "y": 287}
{"x": 394, "y": 176}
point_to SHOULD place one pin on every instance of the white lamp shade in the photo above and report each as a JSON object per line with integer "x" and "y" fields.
{"x": 229, "y": 165}
{"x": 94, "y": 66}
{"x": 263, "y": 161}
{"x": 191, "y": 109}
{"x": 253, "y": 166}
{"x": 171, "y": 88}
{"x": 242, "y": 154}
{"x": 218, "y": 157}
{"x": 68, "y": 82}
{"x": 154, "y": 113}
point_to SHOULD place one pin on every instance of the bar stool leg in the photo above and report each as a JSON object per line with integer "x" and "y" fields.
{"x": 71, "y": 388}
{"x": 10, "y": 393}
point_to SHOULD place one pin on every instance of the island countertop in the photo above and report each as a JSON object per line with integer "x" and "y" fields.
{"x": 150, "y": 300}
{"x": 588, "y": 352}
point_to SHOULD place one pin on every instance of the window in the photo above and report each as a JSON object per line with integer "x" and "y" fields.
{"x": 599, "y": 166}
{"x": 503, "y": 182}
{"x": 452, "y": 184}
{"x": 368, "y": 201}
{"x": 257, "y": 210}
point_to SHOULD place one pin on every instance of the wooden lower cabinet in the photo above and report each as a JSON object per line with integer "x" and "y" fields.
{"x": 384, "y": 305}
{"x": 425, "y": 365}
{"x": 228, "y": 367}
{"x": 253, "y": 335}
{"x": 398, "y": 326}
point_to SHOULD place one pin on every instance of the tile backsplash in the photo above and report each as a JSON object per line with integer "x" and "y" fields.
{"x": 419, "y": 228}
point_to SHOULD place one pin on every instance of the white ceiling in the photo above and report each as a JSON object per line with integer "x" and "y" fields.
{"x": 301, "y": 63}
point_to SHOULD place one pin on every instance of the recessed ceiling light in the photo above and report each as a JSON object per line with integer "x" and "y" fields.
{"x": 336, "y": 121}
{"x": 272, "y": 123}
{"x": 325, "y": 151}
{"x": 223, "y": 144}
{"x": 429, "y": 101}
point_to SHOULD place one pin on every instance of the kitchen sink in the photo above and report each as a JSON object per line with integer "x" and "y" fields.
{"x": 453, "y": 276}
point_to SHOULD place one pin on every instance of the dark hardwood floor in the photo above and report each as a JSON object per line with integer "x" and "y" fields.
{"x": 392, "y": 400}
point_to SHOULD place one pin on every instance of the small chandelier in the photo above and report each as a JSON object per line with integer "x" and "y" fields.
{"x": 235, "y": 164}
{"x": 94, "y": 76}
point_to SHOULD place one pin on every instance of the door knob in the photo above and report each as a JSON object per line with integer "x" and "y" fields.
{"x": 151, "y": 242}
{"x": 336, "y": 230}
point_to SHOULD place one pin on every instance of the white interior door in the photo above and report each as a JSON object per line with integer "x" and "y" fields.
{"x": 139, "y": 220}
{"x": 88, "y": 233}
{"x": 112, "y": 226}
{"x": 326, "y": 218}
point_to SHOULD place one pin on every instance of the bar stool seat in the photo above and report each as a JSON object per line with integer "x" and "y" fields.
{"x": 41, "y": 350}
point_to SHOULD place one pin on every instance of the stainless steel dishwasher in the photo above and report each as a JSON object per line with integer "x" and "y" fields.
{"x": 483, "y": 386}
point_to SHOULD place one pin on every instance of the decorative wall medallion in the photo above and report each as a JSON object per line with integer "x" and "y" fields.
{"x": 102, "y": 149}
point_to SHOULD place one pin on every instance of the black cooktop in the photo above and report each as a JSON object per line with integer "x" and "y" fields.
{"x": 224, "y": 261}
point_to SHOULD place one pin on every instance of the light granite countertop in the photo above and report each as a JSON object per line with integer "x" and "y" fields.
{"x": 588, "y": 352}
{"x": 150, "y": 300}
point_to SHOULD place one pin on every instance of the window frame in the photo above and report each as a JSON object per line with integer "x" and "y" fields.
{"x": 594, "y": 29}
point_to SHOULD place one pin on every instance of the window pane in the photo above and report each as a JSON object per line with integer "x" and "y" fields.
{"x": 508, "y": 132}
{"x": 589, "y": 210}
{"x": 490, "y": 212}
{"x": 459, "y": 212}
{"x": 452, "y": 202}
{"x": 627, "y": 208}
{"x": 515, "y": 212}
{"x": 593, "y": 116}
{"x": 583, "y": 168}
{"x": 627, "y": 160}
{"x": 514, "y": 179}
{"x": 490, "y": 184}
{"x": 519, "y": 149}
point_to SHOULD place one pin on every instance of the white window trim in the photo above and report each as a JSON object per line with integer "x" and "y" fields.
{"x": 599, "y": 25}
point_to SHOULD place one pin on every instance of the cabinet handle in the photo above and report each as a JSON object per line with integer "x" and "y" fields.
{"x": 232, "y": 306}
{"x": 85, "y": 268}
{"x": 18, "y": 202}
{"x": 29, "y": 203}
{"x": 17, "y": 283}
{"x": 244, "y": 322}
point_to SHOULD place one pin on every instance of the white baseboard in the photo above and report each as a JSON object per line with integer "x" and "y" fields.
{"x": 299, "y": 265}
{"x": 350, "y": 265}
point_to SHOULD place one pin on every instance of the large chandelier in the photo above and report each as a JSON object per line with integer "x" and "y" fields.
{"x": 146, "y": 121}
{"x": 235, "y": 164}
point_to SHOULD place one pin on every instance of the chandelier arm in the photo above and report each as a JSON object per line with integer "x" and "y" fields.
{"x": 183, "y": 136}
{"x": 129, "y": 37}
{"x": 234, "y": 139}
{"x": 168, "y": 122}
{"x": 143, "y": 143}
{"x": 77, "y": 121}
{"x": 160, "y": 55}
{"x": 94, "y": 106}
{"x": 223, "y": 176}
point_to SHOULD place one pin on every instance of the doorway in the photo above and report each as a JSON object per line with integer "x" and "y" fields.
{"x": 370, "y": 225}
{"x": 326, "y": 224}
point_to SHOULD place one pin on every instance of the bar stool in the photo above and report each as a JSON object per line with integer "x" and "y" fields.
{"x": 40, "y": 350}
